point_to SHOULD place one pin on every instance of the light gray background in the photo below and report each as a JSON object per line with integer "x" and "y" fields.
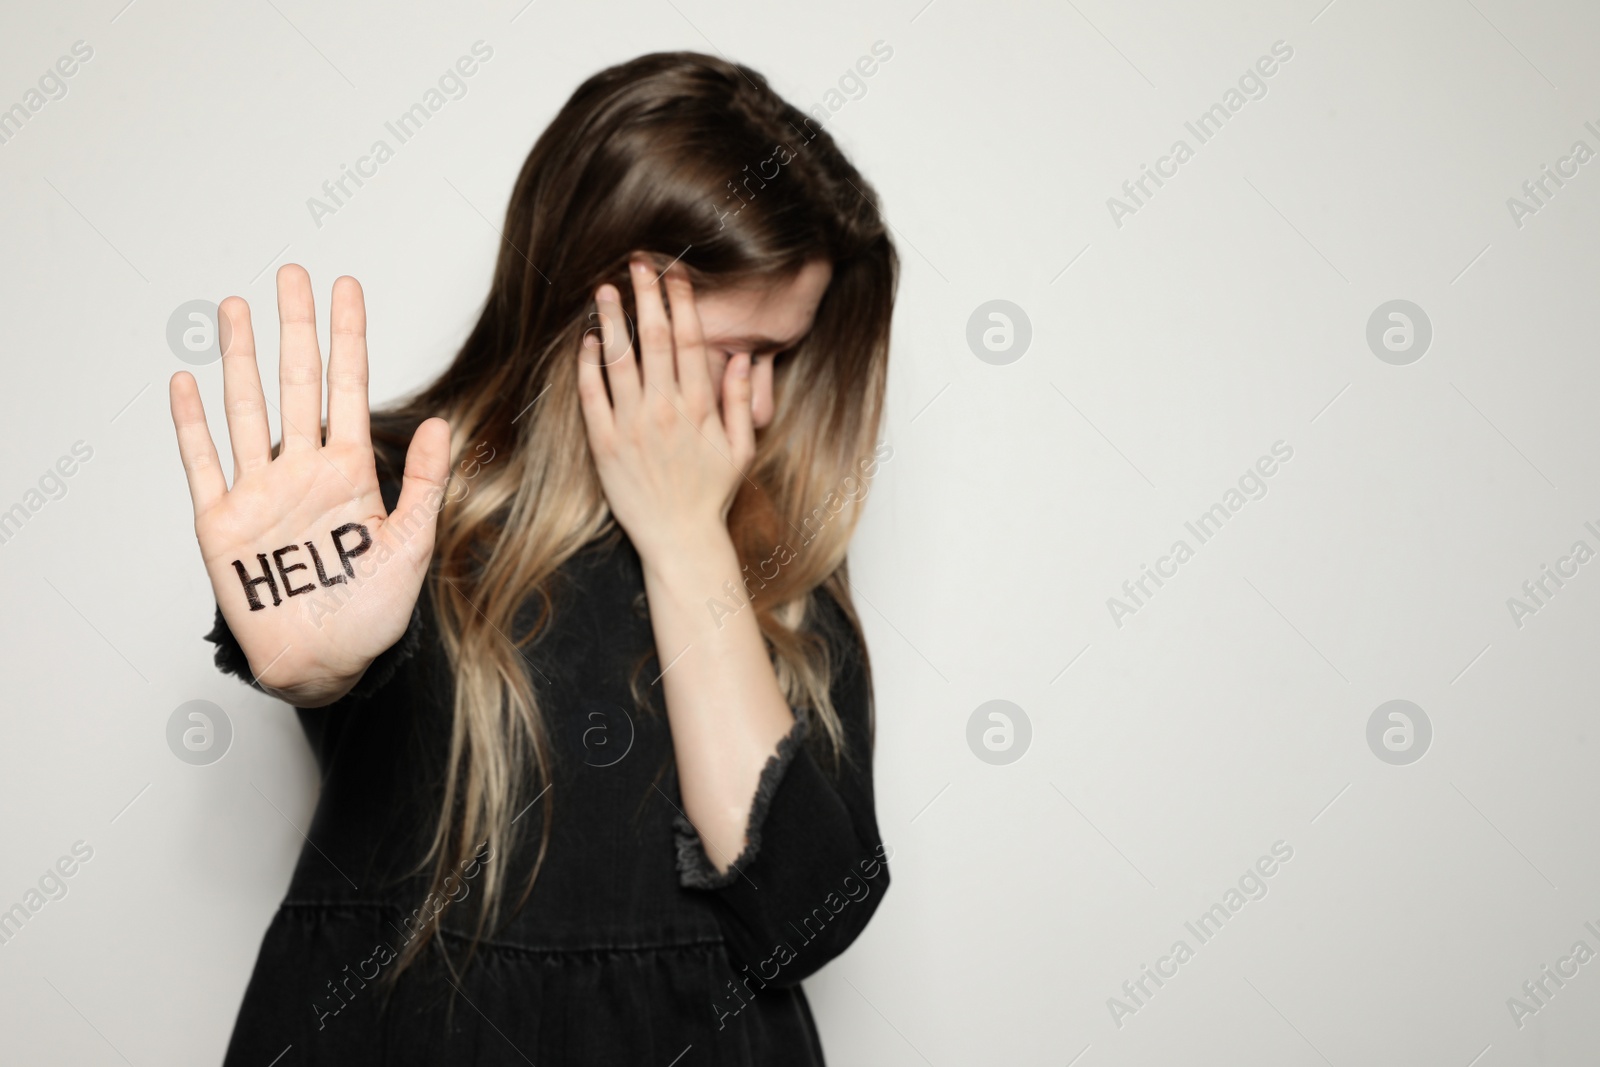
{"x": 1228, "y": 313}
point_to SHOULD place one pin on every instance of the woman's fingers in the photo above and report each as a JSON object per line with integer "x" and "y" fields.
{"x": 299, "y": 361}
{"x": 349, "y": 421}
{"x": 597, "y": 413}
{"x": 242, "y": 400}
{"x": 655, "y": 333}
{"x": 622, "y": 371}
{"x": 737, "y": 419}
{"x": 694, "y": 378}
{"x": 199, "y": 452}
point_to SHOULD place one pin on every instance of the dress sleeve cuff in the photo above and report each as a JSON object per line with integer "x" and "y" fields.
{"x": 230, "y": 658}
{"x": 695, "y": 870}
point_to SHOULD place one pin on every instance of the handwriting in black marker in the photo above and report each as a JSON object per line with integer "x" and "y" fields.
{"x": 322, "y": 576}
{"x": 289, "y": 588}
{"x": 346, "y": 555}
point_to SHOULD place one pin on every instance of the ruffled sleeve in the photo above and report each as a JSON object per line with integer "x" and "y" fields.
{"x": 813, "y": 868}
{"x": 695, "y": 870}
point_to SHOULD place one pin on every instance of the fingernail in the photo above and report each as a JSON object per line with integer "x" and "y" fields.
{"x": 741, "y": 366}
{"x": 606, "y": 292}
{"x": 224, "y": 332}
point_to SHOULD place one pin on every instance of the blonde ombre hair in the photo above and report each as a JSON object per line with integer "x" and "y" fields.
{"x": 687, "y": 156}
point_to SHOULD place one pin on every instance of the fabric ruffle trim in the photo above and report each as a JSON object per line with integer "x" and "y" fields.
{"x": 230, "y": 658}
{"x": 695, "y": 870}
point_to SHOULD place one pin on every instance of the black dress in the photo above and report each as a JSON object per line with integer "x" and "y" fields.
{"x": 631, "y": 948}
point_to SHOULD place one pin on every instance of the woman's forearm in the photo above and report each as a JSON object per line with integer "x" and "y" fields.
{"x": 724, "y": 706}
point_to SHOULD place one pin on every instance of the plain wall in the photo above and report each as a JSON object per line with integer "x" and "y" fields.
{"x": 1172, "y": 345}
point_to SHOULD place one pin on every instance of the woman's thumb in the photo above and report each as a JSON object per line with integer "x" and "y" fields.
{"x": 422, "y": 488}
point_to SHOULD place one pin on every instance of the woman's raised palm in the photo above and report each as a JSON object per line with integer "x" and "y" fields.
{"x": 313, "y": 576}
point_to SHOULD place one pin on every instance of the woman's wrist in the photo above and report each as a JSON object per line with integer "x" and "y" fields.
{"x": 316, "y": 692}
{"x": 689, "y": 569}
{"x": 691, "y": 546}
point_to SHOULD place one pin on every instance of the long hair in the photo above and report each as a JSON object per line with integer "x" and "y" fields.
{"x": 689, "y": 157}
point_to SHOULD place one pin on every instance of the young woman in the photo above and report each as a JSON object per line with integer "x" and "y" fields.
{"x": 570, "y": 632}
